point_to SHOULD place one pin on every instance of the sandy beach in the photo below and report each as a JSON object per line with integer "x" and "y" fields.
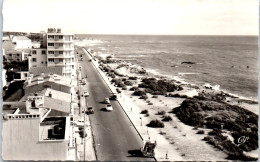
{"x": 176, "y": 141}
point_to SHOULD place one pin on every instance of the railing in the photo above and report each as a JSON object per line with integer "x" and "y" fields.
{"x": 20, "y": 116}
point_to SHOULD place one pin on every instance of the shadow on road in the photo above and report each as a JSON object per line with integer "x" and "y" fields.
{"x": 103, "y": 109}
{"x": 135, "y": 153}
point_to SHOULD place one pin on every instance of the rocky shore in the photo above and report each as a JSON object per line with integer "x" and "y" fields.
{"x": 204, "y": 125}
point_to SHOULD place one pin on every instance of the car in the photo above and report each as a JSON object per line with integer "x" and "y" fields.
{"x": 82, "y": 83}
{"x": 85, "y": 94}
{"x": 109, "y": 107}
{"x": 107, "y": 101}
{"x": 113, "y": 97}
{"x": 90, "y": 110}
{"x": 80, "y": 123}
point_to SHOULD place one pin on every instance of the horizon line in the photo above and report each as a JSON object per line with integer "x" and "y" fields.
{"x": 151, "y": 34}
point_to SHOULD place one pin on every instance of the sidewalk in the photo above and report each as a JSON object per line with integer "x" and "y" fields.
{"x": 139, "y": 121}
{"x": 89, "y": 148}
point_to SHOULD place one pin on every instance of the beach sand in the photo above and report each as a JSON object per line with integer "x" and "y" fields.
{"x": 176, "y": 141}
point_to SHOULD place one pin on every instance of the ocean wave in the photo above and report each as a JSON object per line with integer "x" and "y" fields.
{"x": 188, "y": 74}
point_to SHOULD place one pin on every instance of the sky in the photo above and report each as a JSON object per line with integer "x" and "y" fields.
{"x": 164, "y": 17}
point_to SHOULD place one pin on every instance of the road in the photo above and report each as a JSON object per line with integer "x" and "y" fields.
{"x": 115, "y": 137}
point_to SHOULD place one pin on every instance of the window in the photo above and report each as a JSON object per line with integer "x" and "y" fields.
{"x": 42, "y": 62}
{"x": 34, "y": 59}
{"x": 60, "y": 52}
{"x": 51, "y": 36}
{"x": 50, "y": 52}
{"x": 18, "y": 59}
{"x": 33, "y": 51}
{"x": 50, "y": 59}
{"x": 18, "y": 55}
{"x": 10, "y": 54}
{"x": 60, "y": 37}
{"x": 60, "y": 60}
{"x": 50, "y": 44}
{"x": 43, "y": 52}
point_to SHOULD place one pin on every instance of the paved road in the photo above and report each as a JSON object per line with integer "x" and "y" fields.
{"x": 115, "y": 138}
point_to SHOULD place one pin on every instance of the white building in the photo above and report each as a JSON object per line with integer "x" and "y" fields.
{"x": 59, "y": 49}
{"x": 38, "y": 57}
{"x": 21, "y": 42}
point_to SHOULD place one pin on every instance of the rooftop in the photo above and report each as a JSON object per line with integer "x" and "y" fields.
{"x": 53, "y": 128}
{"x": 48, "y": 77}
{"x": 47, "y": 70}
{"x": 20, "y": 38}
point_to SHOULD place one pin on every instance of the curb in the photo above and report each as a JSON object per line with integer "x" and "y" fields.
{"x": 117, "y": 100}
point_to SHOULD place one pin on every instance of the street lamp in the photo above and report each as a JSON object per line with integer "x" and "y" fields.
{"x": 141, "y": 121}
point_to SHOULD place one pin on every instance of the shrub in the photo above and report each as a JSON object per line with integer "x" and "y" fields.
{"x": 215, "y": 132}
{"x": 129, "y": 83}
{"x": 167, "y": 118}
{"x": 161, "y": 112}
{"x": 201, "y": 132}
{"x": 134, "y": 88}
{"x": 156, "y": 124}
{"x": 124, "y": 88}
{"x": 139, "y": 93}
{"x": 132, "y": 78}
{"x": 155, "y": 97}
{"x": 144, "y": 112}
{"x": 144, "y": 97}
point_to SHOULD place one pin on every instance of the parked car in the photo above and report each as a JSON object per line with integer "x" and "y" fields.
{"x": 80, "y": 123}
{"x": 109, "y": 107}
{"x": 113, "y": 97}
{"x": 107, "y": 101}
{"x": 85, "y": 94}
{"x": 90, "y": 110}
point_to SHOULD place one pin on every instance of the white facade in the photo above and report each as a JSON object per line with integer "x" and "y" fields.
{"x": 22, "y": 42}
{"x": 60, "y": 51}
{"x": 38, "y": 57}
{"x": 17, "y": 56}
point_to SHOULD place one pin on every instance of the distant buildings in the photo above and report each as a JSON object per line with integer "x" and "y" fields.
{"x": 21, "y": 42}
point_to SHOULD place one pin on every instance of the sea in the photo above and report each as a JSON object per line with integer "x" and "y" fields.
{"x": 230, "y": 62}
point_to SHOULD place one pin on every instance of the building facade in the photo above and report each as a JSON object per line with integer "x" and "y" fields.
{"x": 58, "y": 49}
{"x": 21, "y": 42}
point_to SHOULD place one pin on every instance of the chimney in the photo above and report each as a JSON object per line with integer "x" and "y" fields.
{"x": 50, "y": 94}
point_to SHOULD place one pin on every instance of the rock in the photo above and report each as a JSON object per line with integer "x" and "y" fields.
{"x": 188, "y": 62}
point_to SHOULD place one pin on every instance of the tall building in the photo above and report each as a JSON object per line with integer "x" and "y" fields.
{"x": 57, "y": 51}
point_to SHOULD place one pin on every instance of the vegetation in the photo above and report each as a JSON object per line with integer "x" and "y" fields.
{"x": 158, "y": 87}
{"x": 161, "y": 112}
{"x": 139, "y": 93}
{"x": 132, "y": 78}
{"x": 156, "y": 124}
{"x": 144, "y": 112}
{"x": 17, "y": 66}
{"x": 200, "y": 132}
{"x": 133, "y": 88}
{"x": 129, "y": 83}
{"x": 167, "y": 118}
{"x": 13, "y": 88}
{"x": 215, "y": 114}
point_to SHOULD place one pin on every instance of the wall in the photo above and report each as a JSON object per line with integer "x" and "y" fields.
{"x": 41, "y": 58}
{"x": 41, "y": 86}
{"x": 21, "y": 142}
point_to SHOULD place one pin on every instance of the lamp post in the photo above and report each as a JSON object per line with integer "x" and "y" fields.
{"x": 141, "y": 121}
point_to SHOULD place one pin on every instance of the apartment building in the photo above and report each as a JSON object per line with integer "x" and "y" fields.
{"x": 59, "y": 52}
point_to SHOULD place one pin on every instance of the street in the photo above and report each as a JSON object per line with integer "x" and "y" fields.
{"x": 114, "y": 136}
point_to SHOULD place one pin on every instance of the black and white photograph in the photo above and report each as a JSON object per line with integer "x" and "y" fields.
{"x": 130, "y": 80}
